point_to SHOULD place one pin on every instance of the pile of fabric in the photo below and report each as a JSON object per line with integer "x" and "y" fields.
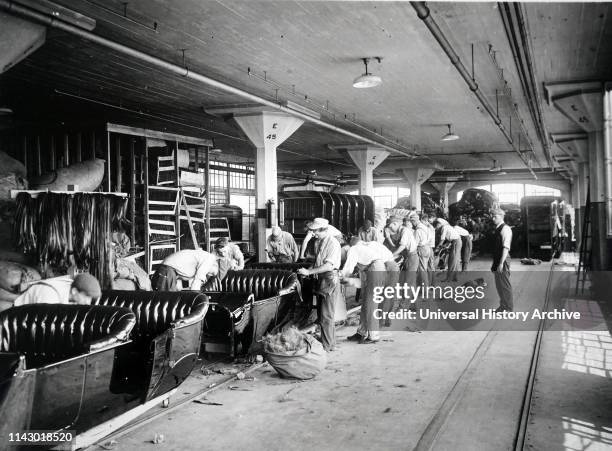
{"x": 294, "y": 354}
{"x": 70, "y": 230}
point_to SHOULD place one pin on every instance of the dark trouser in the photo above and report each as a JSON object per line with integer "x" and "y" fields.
{"x": 453, "y": 260}
{"x": 504, "y": 289}
{"x": 374, "y": 276}
{"x": 466, "y": 252}
{"x": 164, "y": 279}
{"x": 424, "y": 253}
{"x": 431, "y": 267}
{"x": 328, "y": 291}
{"x": 393, "y": 277}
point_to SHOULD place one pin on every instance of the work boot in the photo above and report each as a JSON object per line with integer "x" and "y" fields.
{"x": 355, "y": 337}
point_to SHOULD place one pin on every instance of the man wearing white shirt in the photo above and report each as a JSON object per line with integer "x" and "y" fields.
{"x": 402, "y": 242}
{"x": 376, "y": 269}
{"x": 423, "y": 250}
{"x": 193, "y": 265}
{"x": 431, "y": 242}
{"x": 449, "y": 234}
{"x": 501, "y": 261}
{"x": 466, "y": 244}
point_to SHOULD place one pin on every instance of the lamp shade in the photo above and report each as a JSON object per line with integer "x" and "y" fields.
{"x": 450, "y": 136}
{"x": 367, "y": 81}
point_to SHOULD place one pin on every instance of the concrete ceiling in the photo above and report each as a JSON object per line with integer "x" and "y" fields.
{"x": 309, "y": 53}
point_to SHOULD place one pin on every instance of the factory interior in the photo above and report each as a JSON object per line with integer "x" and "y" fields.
{"x": 216, "y": 217}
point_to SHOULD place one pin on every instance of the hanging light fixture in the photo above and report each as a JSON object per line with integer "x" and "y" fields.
{"x": 367, "y": 80}
{"x": 450, "y": 136}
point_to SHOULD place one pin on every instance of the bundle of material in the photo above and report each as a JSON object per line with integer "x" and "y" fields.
{"x": 531, "y": 261}
{"x": 294, "y": 354}
{"x": 63, "y": 230}
{"x": 289, "y": 340}
{"x": 14, "y": 279}
{"x": 474, "y": 203}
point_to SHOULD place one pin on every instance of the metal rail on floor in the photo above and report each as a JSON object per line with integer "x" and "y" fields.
{"x": 432, "y": 431}
{"x": 521, "y": 432}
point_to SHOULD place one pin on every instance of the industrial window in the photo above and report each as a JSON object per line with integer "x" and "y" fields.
{"x": 218, "y": 196}
{"x": 387, "y": 196}
{"x": 218, "y": 178}
{"x": 241, "y": 177}
{"x": 535, "y": 190}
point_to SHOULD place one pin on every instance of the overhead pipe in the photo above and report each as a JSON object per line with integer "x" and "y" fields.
{"x": 423, "y": 13}
{"x": 49, "y": 20}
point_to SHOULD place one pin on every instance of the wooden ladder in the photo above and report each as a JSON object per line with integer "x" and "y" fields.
{"x": 584, "y": 262}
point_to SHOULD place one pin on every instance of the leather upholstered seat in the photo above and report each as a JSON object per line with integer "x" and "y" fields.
{"x": 156, "y": 311}
{"x": 48, "y": 333}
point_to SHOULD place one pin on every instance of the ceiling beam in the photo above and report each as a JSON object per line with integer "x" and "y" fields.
{"x": 52, "y": 21}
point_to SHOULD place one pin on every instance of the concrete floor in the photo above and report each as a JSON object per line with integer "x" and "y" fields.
{"x": 460, "y": 390}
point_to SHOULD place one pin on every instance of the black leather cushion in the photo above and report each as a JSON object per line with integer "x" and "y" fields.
{"x": 156, "y": 310}
{"x": 280, "y": 266}
{"x": 48, "y": 333}
{"x": 263, "y": 284}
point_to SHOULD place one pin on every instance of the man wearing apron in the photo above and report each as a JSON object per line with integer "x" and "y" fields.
{"x": 326, "y": 264}
{"x": 377, "y": 268}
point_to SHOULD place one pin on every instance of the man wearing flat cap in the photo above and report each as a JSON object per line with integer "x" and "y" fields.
{"x": 501, "y": 260}
{"x": 281, "y": 247}
{"x": 326, "y": 264}
{"x": 62, "y": 290}
{"x": 229, "y": 256}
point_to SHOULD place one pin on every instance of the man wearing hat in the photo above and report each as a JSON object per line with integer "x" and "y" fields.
{"x": 421, "y": 237}
{"x": 281, "y": 246}
{"x": 192, "y": 265}
{"x": 402, "y": 243}
{"x": 501, "y": 260}
{"x": 62, "y": 290}
{"x": 367, "y": 232}
{"x": 326, "y": 264}
{"x": 229, "y": 256}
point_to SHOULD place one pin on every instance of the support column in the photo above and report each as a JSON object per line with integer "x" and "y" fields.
{"x": 415, "y": 178}
{"x": 598, "y": 198}
{"x": 366, "y": 158}
{"x": 266, "y": 130}
{"x": 444, "y": 188}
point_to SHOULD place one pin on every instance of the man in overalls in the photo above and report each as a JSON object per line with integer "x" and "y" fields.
{"x": 326, "y": 264}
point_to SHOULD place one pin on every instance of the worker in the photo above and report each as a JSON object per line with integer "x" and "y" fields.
{"x": 195, "y": 266}
{"x": 377, "y": 268}
{"x": 305, "y": 250}
{"x": 466, "y": 244}
{"x": 421, "y": 238}
{"x": 367, "y": 232}
{"x": 229, "y": 256}
{"x": 501, "y": 261}
{"x": 281, "y": 247}
{"x": 403, "y": 244}
{"x": 326, "y": 264}
{"x": 82, "y": 289}
{"x": 450, "y": 235}
{"x": 427, "y": 220}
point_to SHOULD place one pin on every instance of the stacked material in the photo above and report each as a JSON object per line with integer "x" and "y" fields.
{"x": 65, "y": 230}
{"x": 474, "y": 203}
